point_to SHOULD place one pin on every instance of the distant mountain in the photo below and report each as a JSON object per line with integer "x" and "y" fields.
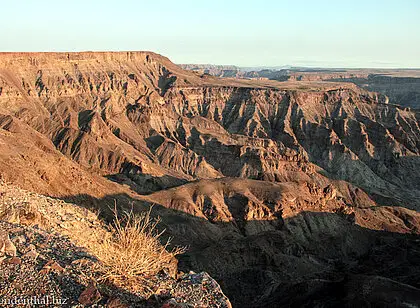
{"x": 402, "y": 86}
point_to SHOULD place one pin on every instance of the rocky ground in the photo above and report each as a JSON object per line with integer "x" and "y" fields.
{"x": 40, "y": 264}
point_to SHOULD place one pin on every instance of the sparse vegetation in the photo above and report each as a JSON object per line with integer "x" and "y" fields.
{"x": 129, "y": 250}
{"x": 132, "y": 250}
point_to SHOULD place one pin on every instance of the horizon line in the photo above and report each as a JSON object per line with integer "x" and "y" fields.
{"x": 259, "y": 66}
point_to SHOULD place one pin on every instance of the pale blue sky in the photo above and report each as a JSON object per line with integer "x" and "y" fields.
{"x": 357, "y": 33}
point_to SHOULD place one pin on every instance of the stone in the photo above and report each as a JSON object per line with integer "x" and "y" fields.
{"x": 82, "y": 262}
{"x": 52, "y": 266}
{"x": 90, "y": 295}
{"x": 194, "y": 287}
{"x": 13, "y": 260}
{"x": 172, "y": 303}
{"x": 21, "y": 239}
{"x": 31, "y": 254}
{"x": 6, "y": 246}
{"x": 116, "y": 303}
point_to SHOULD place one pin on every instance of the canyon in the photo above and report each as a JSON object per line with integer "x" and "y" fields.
{"x": 401, "y": 86}
{"x": 289, "y": 192}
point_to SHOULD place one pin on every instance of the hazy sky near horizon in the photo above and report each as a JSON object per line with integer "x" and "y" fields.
{"x": 358, "y": 33}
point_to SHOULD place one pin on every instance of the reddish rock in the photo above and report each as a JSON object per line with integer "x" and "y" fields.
{"x": 90, "y": 295}
{"x": 31, "y": 254}
{"x": 13, "y": 260}
{"x": 6, "y": 245}
{"x": 116, "y": 303}
{"x": 82, "y": 262}
{"x": 52, "y": 266}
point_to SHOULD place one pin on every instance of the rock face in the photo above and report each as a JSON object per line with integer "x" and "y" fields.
{"x": 266, "y": 182}
{"x": 402, "y": 90}
{"x": 138, "y": 115}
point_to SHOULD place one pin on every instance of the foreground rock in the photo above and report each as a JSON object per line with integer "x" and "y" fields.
{"x": 63, "y": 273}
{"x": 198, "y": 290}
{"x": 41, "y": 264}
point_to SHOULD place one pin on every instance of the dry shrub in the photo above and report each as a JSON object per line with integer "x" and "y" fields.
{"x": 132, "y": 251}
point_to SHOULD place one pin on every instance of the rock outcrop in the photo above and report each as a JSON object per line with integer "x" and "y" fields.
{"x": 47, "y": 261}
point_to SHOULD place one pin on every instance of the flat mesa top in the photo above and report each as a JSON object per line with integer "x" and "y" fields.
{"x": 142, "y": 61}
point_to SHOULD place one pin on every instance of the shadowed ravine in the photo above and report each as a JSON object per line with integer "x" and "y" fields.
{"x": 310, "y": 259}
